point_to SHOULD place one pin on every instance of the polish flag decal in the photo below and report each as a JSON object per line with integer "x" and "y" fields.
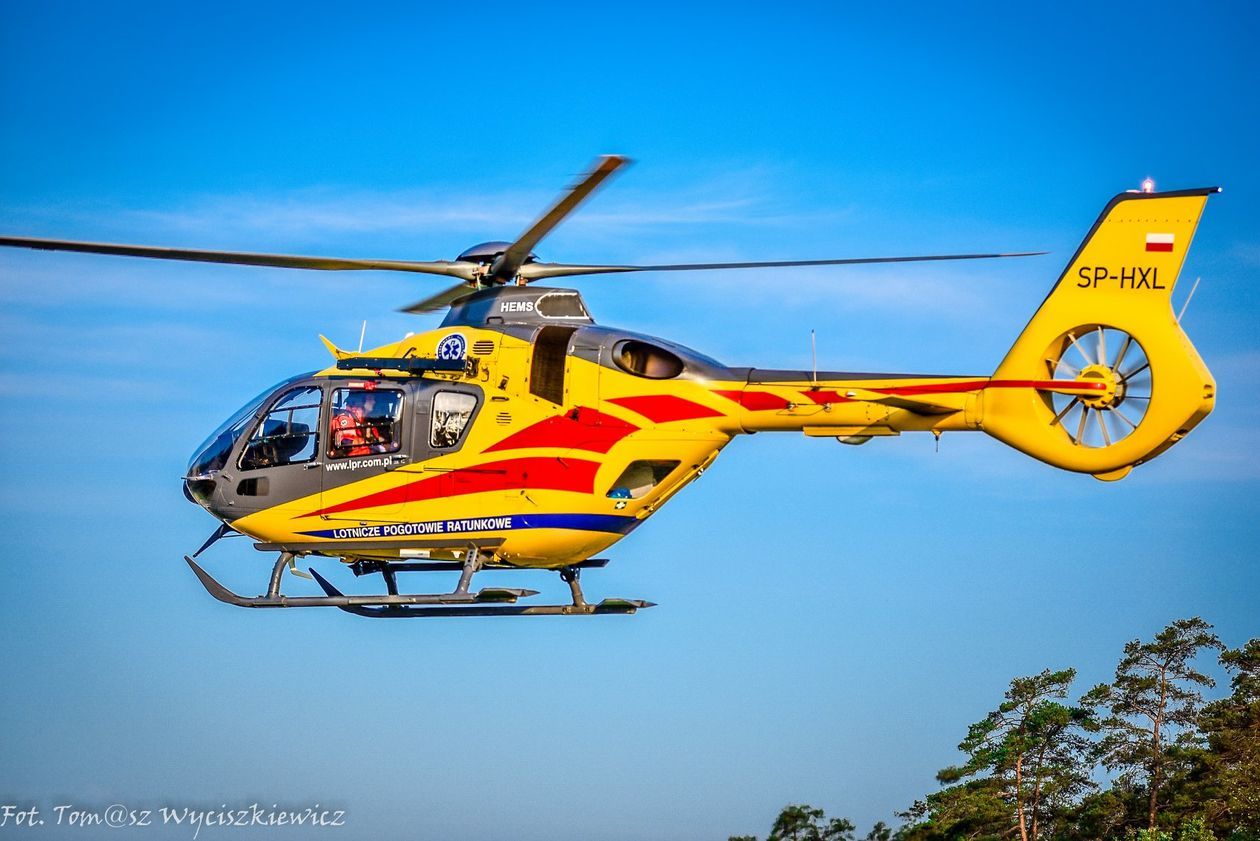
{"x": 1159, "y": 242}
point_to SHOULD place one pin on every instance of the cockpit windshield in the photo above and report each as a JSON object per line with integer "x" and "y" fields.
{"x": 213, "y": 453}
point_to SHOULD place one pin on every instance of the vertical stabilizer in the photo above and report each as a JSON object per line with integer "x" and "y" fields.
{"x": 1109, "y": 321}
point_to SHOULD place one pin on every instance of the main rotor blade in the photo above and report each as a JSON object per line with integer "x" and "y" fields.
{"x": 440, "y": 301}
{"x": 538, "y": 271}
{"x": 457, "y": 268}
{"x": 508, "y": 264}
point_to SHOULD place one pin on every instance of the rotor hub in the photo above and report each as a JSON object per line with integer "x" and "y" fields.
{"x": 483, "y": 252}
{"x": 1111, "y": 395}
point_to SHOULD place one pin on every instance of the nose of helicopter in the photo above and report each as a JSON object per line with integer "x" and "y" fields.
{"x": 201, "y": 479}
{"x": 213, "y": 491}
{"x": 204, "y": 481}
{"x": 198, "y": 491}
{"x": 206, "y": 489}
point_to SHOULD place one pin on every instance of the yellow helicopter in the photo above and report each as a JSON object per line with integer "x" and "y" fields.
{"x": 521, "y": 435}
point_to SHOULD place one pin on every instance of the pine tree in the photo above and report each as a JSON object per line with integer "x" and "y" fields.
{"x": 879, "y": 832}
{"x": 975, "y": 809}
{"x": 1153, "y": 707}
{"x": 805, "y": 823}
{"x": 1030, "y": 757}
{"x": 1224, "y": 783}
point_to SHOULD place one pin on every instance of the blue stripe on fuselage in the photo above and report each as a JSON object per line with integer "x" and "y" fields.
{"x": 614, "y": 523}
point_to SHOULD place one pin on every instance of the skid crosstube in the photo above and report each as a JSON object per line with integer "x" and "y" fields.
{"x": 490, "y": 601}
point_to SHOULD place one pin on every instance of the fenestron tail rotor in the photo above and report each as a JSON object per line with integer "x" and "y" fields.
{"x": 1097, "y": 353}
{"x": 488, "y": 264}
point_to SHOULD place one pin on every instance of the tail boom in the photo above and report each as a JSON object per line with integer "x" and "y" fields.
{"x": 1102, "y": 378}
{"x": 868, "y": 405}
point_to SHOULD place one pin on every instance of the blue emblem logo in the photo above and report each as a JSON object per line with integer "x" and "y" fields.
{"x": 452, "y": 347}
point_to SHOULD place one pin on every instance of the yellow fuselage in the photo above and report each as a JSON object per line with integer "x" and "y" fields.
{"x": 527, "y": 462}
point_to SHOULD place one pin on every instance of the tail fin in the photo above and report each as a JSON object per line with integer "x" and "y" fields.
{"x": 1109, "y": 322}
{"x": 337, "y": 353}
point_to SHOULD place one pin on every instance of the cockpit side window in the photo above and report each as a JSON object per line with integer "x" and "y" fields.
{"x": 451, "y": 413}
{"x": 365, "y": 421}
{"x": 288, "y": 433}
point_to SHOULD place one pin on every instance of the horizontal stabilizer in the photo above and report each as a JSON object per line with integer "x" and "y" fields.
{"x": 918, "y": 405}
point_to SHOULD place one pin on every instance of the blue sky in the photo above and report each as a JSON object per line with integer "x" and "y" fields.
{"x": 830, "y": 618}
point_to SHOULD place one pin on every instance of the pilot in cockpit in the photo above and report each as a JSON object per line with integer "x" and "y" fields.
{"x": 353, "y": 430}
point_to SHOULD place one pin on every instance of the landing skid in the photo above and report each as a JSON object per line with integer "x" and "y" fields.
{"x": 490, "y": 601}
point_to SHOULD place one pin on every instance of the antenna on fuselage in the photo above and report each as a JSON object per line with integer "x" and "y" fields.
{"x": 1186, "y": 305}
{"x": 813, "y": 349}
{"x": 362, "y": 333}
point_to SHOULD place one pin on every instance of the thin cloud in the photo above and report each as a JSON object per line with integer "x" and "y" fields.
{"x": 132, "y": 389}
{"x": 740, "y": 198}
{"x": 51, "y": 280}
{"x": 927, "y": 288}
{"x": 1247, "y": 253}
{"x": 148, "y": 344}
{"x": 1218, "y": 453}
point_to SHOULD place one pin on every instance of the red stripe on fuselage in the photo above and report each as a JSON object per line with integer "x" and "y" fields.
{"x": 662, "y": 408}
{"x": 544, "y": 473}
{"x": 1159, "y": 246}
{"x": 581, "y": 429}
{"x": 827, "y": 396}
{"x": 1074, "y": 385}
{"x": 765, "y": 401}
{"x": 980, "y": 385}
{"x": 756, "y": 401}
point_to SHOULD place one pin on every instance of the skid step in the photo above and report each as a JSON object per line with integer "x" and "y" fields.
{"x": 372, "y": 567}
